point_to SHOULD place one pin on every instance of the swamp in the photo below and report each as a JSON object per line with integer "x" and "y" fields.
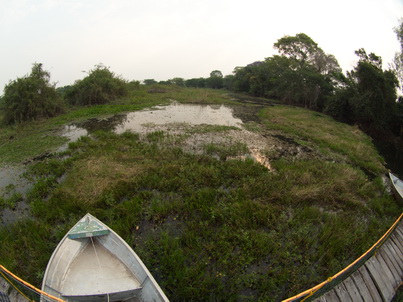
{"x": 224, "y": 197}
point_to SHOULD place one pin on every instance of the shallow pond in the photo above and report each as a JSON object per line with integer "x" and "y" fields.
{"x": 12, "y": 181}
{"x": 175, "y": 119}
{"x": 145, "y": 120}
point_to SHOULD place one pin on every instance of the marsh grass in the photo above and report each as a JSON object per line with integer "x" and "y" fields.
{"x": 20, "y": 142}
{"x": 10, "y": 200}
{"x": 208, "y": 229}
{"x": 332, "y": 138}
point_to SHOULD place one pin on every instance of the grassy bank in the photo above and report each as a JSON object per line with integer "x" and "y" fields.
{"x": 19, "y": 142}
{"x": 338, "y": 141}
{"x": 210, "y": 228}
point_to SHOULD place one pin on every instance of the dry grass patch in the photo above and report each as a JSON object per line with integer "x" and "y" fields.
{"x": 94, "y": 175}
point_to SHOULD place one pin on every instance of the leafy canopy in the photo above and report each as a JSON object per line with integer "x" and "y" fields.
{"x": 31, "y": 97}
{"x": 397, "y": 64}
{"x": 368, "y": 95}
{"x": 301, "y": 75}
{"x": 100, "y": 86}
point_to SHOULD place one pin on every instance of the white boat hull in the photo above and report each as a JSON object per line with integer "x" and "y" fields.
{"x": 397, "y": 186}
{"x": 92, "y": 267}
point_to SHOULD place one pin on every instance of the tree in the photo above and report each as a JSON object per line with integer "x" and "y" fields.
{"x": 100, "y": 86}
{"x": 369, "y": 95}
{"x": 303, "y": 74}
{"x": 397, "y": 64}
{"x": 299, "y": 47}
{"x": 31, "y": 97}
{"x": 150, "y": 82}
{"x": 308, "y": 71}
{"x": 228, "y": 81}
{"x": 196, "y": 82}
{"x": 241, "y": 79}
{"x": 215, "y": 80}
{"x": 177, "y": 81}
{"x": 304, "y": 50}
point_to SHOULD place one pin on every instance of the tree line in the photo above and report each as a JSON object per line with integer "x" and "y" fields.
{"x": 302, "y": 74}
{"x": 215, "y": 81}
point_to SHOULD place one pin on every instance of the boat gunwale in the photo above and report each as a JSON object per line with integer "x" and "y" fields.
{"x": 139, "y": 262}
{"x": 397, "y": 189}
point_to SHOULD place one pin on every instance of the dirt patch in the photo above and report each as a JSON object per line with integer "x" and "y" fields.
{"x": 262, "y": 148}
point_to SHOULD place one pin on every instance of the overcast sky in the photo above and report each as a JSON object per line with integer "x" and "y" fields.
{"x": 163, "y": 39}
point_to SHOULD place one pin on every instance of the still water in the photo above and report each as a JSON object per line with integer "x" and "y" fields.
{"x": 145, "y": 120}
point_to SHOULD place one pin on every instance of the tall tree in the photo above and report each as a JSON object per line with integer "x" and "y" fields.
{"x": 299, "y": 47}
{"x": 304, "y": 50}
{"x": 369, "y": 95}
{"x": 397, "y": 64}
{"x": 215, "y": 80}
{"x": 309, "y": 72}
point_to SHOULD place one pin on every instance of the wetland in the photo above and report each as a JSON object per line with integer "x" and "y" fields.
{"x": 222, "y": 197}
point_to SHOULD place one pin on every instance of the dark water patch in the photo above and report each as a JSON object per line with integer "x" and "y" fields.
{"x": 286, "y": 139}
{"x": 73, "y": 133}
{"x": 247, "y": 99}
{"x": 13, "y": 181}
{"x": 247, "y": 113}
{"x": 106, "y": 124}
{"x": 13, "y": 184}
{"x": 11, "y": 215}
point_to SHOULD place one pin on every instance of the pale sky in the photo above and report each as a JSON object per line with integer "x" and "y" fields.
{"x": 163, "y": 39}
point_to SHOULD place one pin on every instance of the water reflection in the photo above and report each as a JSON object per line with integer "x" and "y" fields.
{"x": 174, "y": 114}
{"x": 177, "y": 113}
{"x": 140, "y": 121}
{"x": 11, "y": 180}
{"x": 73, "y": 132}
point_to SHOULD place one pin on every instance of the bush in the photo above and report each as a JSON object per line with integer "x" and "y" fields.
{"x": 101, "y": 86}
{"x": 31, "y": 97}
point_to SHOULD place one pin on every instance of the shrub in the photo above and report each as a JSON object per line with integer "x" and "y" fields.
{"x": 31, "y": 97}
{"x": 101, "y": 86}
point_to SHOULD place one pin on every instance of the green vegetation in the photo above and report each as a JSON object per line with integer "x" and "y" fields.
{"x": 207, "y": 227}
{"x": 31, "y": 97}
{"x": 339, "y": 141}
{"x": 101, "y": 86}
{"x": 304, "y": 75}
{"x": 214, "y": 224}
{"x": 369, "y": 94}
{"x": 223, "y": 151}
{"x": 19, "y": 142}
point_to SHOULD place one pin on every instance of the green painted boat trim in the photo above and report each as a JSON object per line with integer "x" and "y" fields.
{"x": 88, "y": 227}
